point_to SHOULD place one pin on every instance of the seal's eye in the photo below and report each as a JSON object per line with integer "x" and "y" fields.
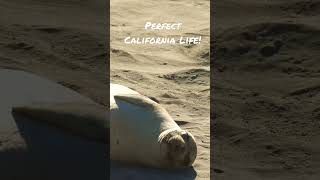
{"x": 179, "y": 148}
{"x": 185, "y": 136}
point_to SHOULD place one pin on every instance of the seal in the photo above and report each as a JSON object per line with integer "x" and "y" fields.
{"x": 141, "y": 130}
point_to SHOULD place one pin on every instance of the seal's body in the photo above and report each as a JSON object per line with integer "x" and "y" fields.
{"x": 141, "y": 130}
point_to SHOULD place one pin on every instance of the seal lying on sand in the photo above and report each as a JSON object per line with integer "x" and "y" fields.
{"x": 141, "y": 130}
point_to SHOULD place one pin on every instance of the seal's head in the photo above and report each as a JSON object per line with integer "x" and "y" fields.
{"x": 178, "y": 148}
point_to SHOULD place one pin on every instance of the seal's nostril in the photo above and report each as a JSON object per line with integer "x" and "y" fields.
{"x": 177, "y": 147}
{"x": 186, "y": 160}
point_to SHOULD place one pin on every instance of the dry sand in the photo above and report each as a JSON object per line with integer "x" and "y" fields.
{"x": 177, "y": 75}
{"x": 266, "y": 90}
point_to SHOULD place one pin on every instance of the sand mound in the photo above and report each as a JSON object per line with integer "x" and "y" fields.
{"x": 198, "y": 76}
{"x": 265, "y": 40}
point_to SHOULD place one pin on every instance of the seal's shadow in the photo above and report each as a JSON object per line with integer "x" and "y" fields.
{"x": 122, "y": 171}
{"x": 54, "y": 154}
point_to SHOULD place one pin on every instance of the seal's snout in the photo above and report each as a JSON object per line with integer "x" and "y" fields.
{"x": 181, "y": 149}
{"x": 177, "y": 144}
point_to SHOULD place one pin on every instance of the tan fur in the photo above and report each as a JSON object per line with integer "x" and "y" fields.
{"x": 146, "y": 133}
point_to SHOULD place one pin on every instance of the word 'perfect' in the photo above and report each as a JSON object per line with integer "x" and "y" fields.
{"x": 162, "y": 26}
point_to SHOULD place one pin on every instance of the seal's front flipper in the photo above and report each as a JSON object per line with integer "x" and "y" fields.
{"x": 81, "y": 119}
{"x": 136, "y": 99}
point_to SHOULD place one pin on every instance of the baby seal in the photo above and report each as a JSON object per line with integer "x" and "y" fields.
{"x": 143, "y": 132}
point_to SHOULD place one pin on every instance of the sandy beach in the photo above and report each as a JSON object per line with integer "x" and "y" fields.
{"x": 266, "y": 90}
{"x": 66, "y": 43}
{"x": 265, "y": 75}
{"x": 177, "y": 75}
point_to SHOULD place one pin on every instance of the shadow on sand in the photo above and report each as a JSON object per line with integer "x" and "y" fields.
{"x": 121, "y": 171}
{"x": 51, "y": 154}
